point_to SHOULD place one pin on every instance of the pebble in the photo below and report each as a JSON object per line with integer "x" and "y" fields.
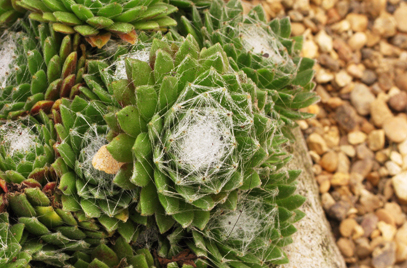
{"x": 395, "y": 211}
{"x": 403, "y": 147}
{"x": 329, "y": 161}
{"x": 384, "y": 256}
{"x": 343, "y": 163}
{"x": 363, "y": 248}
{"x": 385, "y": 25}
{"x": 392, "y": 167}
{"x": 357, "y": 41}
{"x": 346, "y": 227}
{"x": 358, "y": 22}
{"x": 324, "y": 76}
{"x": 363, "y": 152}
{"x": 370, "y": 201}
{"x": 401, "y": 80}
{"x": 396, "y": 158}
{"x": 388, "y": 231}
{"x": 297, "y": 29}
{"x": 340, "y": 179}
{"x": 400, "y": 41}
{"x": 342, "y": 78}
{"x": 358, "y": 232}
{"x": 369, "y": 77}
{"x": 361, "y": 98}
{"x": 343, "y": 49}
{"x": 356, "y": 70}
{"x": 356, "y": 137}
{"x": 400, "y": 186}
{"x": 395, "y": 129}
{"x": 362, "y": 167}
{"x": 398, "y": 102}
{"x": 346, "y": 246}
{"x": 375, "y": 7}
{"x": 332, "y": 137}
{"x": 379, "y": 112}
{"x": 317, "y": 143}
{"x": 349, "y": 150}
{"x": 384, "y": 216}
{"x": 400, "y": 16}
{"x": 324, "y": 41}
{"x": 328, "y": 62}
{"x": 309, "y": 49}
{"x": 376, "y": 140}
{"x": 369, "y": 223}
{"x": 339, "y": 210}
{"x": 327, "y": 201}
{"x": 401, "y": 240}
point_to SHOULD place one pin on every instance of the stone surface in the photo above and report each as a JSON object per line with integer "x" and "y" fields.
{"x": 370, "y": 201}
{"x": 392, "y": 168}
{"x": 324, "y": 41}
{"x": 400, "y": 186}
{"x": 388, "y": 231}
{"x": 340, "y": 179}
{"x": 400, "y": 16}
{"x": 376, "y": 140}
{"x": 369, "y": 223}
{"x": 342, "y": 78}
{"x": 339, "y": 210}
{"x": 385, "y": 216}
{"x": 363, "y": 248}
{"x": 396, "y": 213}
{"x": 369, "y": 77}
{"x": 395, "y": 129}
{"x": 317, "y": 143}
{"x": 361, "y": 98}
{"x": 346, "y": 227}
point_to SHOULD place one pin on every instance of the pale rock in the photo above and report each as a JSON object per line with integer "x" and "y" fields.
{"x": 324, "y": 41}
{"x": 342, "y": 78}
{"x": 385, "y": 216}
{"x": 401, "y": 240}
{"x": 395, "y": 211}
{"x": 388, "y": 50}
{"x": 400, "y": 16}
{"x": 392, "y": 167}
{"x": 346, "y": 246}
{"x": 400, "y": 186}
{"x": 358, "y": 232}
{"x": 348, "y": 150}
{"x": 341, "y": 26}
{"x": 363, "y": 152}
{"x": 328, "y": 4}
{"x": 388, "y": 231}
{"x": 376, "y": 140}
{"x": 396, "y": 158}
{"x": 388, "y": 191}
{"x": 297, "y": 29}
{"x": 370, "y": 201}
{"x": 396, "y": 129}
{"x": 358, "y": 22}
{"x": 369, "y": 223}
{"x": 329, "y": 161}
{"x": 401, "y": 81}
{"x": 380, "y": 112}
{"x": 372, "y": 38}
{"x": 383, "y": 172}
{"x": 327, "y": 201}
{"x": 402, "y": 146}
{"x": 323, "y": 76}
{"x": 356, "y": 70}
{"x": 340, "y": 179}
{"x": 357, "y": 41}
{"x": 356, "y": 137}
{"x": 375, "y": 7}
{"x": 385, "y": 25}
{"x": 303, "y": 124}
{"x": 317, "y": 143}
{"x": 309, "y": 49}
{"x": 404, "y": 166}
{"x": 346, "y": 227}
{"x": 361, "y": 98}
{"x": 363, "y": 248}
{"x": 324, "y": 186}
{"x": 332, "y": 137}
{"x": 398, "y": 102}
{"x": 314, "y": 156}
{"x": 393, "y": 91}
{"x": 343, "y": 163}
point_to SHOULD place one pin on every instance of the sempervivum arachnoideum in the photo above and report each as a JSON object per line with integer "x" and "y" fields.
{"x": 97, "y": 20}
{"x": 39, "y": 66}
{"x": 100, "y": 196}
{"x": 263, "y": 50}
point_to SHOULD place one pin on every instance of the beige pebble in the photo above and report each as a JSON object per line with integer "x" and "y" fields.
{"x": 388, "y": 231}
{"x": 356, "y": 137}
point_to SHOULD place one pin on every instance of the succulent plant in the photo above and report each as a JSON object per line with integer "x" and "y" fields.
{"x": 41, "y": 67}
{"x": 9, "y": 12}
{"x": 97, "y": 20}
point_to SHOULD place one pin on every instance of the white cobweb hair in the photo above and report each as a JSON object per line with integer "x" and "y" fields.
{"x": 8, "y": 55}
{"x": 17, "y": 138}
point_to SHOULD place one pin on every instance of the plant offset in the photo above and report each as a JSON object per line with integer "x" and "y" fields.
{"x": 170, "y": 151}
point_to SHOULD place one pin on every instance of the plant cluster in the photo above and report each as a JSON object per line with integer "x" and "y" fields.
{"x": 170, "y": 151}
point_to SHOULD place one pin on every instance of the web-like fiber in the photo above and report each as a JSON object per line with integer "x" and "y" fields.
{"x": 17, "y": 138}
{"x": 7, "y": 56}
